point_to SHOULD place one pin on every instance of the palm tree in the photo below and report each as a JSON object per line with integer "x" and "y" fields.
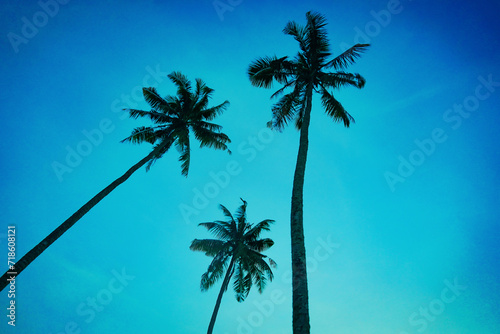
{"x": 237, "y": 251}
{"x": 173, "y": 117}
{"x": 303, "y": 75}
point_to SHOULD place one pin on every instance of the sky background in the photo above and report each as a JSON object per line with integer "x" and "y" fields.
{"x": 384, "y": 246}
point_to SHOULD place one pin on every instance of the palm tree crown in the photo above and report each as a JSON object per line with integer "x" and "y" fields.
{"x": 174, "y": 116}
{"x": 237, "y": 251}
{"x": 307, "y": 69}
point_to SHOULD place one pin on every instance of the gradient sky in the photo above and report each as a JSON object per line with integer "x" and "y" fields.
{"x": 392, "y": 247}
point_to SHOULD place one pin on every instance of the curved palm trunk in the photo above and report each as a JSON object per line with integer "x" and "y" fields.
{"x": 59, "y": 231}
{"x": 223, "y": 289}
{"x": 300, "y": 296}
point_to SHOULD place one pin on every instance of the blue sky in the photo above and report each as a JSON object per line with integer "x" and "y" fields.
{"x": 401, "y": 210}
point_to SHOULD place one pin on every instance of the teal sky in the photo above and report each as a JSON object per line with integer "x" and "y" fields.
{"x": 401, "y": 210}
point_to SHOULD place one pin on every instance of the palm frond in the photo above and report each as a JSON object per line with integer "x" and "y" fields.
{"x": 165, "y": 144}
{"x": 156, "y": 117}
{"x": 300, "y": 116}
{"x": 257, "y": 229}
{"x": 263, "y": 71}
{"x": 208, "y": 138}
{"x": 141, "y": 134}
{"x": 316, "y": 37}
{"x": 226, "y": 212}
{"x": 182, "y": 83}
{"x": 202, "y": 89}
{"x": 210, "y": 247}
{"x": 154, "y": 99}
{"x": 210, "y": 113}
{"x": 260, "y": 245}
{"x": 340, "y": 79}
{"x": 298, "y": 32}
{"x": 259, "y": 279}
{"x": 282, "y": 89}
{"x": 214, "y": 272}
{"x": 242, "y": 283}
{"x": 335, "y": 110}
{"x": 285, "y": 110}
{"x": 261, "y": 265}
{"x": 183, "y": 145}
{"x": 203, "y": 93}
{"x": 209, "y": 126}
{"x": 218, "y": 229}
{"x": 241, "y": 217}
{"x": 348, "y": 57}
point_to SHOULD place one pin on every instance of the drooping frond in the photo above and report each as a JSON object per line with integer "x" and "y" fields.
{"x": 164, "y": 145}
{"x": 348, "y": 57}
{"x": 210, "y": 138}
{"x": 183, "y": 145}
{"x": 334, "y": 109}
{"x": 214, "y": 272}
{"x": 300, "y": 116}
{"x": 285, "y": 110}
{"x": 242, "y": 282}
{"x": 260, "y": 270}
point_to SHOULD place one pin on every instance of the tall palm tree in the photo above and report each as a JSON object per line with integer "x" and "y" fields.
{"x": 237, "y": 251}
{"x": 303, "y": 75}
{"x": 173, "y": 117}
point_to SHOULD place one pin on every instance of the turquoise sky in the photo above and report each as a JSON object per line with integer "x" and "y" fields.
{"x": 401, "y": 210}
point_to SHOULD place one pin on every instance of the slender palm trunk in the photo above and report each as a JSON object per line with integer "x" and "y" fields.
{"x": 300, "y": 296}
{"x": 223, "y": 289}
{"x": 59, "y": 231}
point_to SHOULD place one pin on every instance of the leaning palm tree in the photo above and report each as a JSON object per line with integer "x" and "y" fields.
{"x": 173, "y": 117}
{"x": 237, "y": 251}
{"x": 303, "y": 75}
